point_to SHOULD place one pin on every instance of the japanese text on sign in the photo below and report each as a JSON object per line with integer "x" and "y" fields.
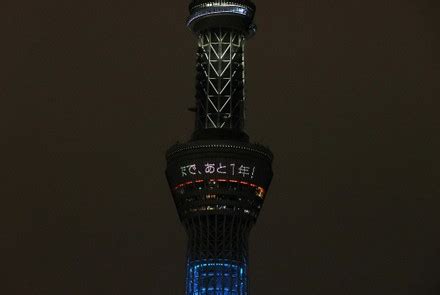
{"x": 231, "y": 169}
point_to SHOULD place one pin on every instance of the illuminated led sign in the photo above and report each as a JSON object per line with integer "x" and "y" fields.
{"x": 253, "y": 171}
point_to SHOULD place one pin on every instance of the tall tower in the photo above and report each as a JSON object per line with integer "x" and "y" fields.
{"x": 219, "y": 179}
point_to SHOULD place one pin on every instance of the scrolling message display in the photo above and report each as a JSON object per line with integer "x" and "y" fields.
{"x": 218, "y": 168}
{"x": 252, "y": 171}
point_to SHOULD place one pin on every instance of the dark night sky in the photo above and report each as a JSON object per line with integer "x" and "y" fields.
{"x": 346, "y": 94}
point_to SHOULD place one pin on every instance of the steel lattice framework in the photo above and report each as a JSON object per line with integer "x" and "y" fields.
{"x": 220, "y": 79}
{"x": 219, "y": 179}
{"x": 217, "y": 253}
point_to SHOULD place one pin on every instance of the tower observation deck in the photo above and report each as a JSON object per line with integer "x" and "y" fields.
{"x": 218, "y": 179}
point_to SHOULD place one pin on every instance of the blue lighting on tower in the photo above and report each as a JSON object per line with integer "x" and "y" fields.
{"x": 216, "y": 277}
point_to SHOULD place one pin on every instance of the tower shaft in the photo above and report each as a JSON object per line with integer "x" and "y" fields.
{"x": 217, "y": 254}
{"x": 219, "y": 179}
{"x": 220, "y": 79}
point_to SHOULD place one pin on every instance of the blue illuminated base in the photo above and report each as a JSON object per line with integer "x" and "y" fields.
{"x": 216, "y": 277}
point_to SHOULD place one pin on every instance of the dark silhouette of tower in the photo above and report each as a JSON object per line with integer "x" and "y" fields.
{"x": 219, "y": 179}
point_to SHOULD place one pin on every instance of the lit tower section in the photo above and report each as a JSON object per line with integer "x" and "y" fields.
{"x": 219, "y": 179}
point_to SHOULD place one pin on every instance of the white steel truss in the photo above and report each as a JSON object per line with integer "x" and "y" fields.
{"x": 220, "y": 79}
